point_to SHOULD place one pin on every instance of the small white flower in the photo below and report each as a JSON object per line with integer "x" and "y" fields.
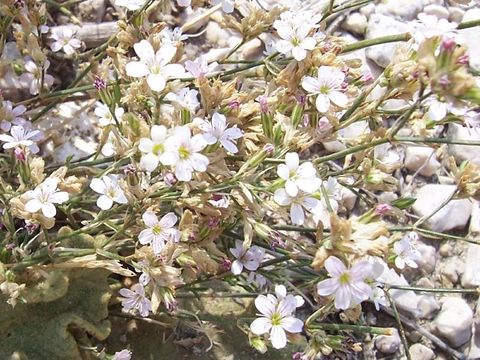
{"x": 406, "y": 251}
{"x": 131, "y": 4}
{"x": 184, "y": 3}
{"x": 199, "y": 68}
{"x": 154, "y": 65}
{"x": 219, "y": 201}
{"x": 44, "y": 197}
{"x": 218, "y": 131}
{"x": 257, "y": 279}
{"x": 19, "y": 136}
{"x": 348, "y": 285}
{"x": 276, "y": 319}
{"x": 33, "y": 77}
{"x": 136, "y": 300}
{"x": 153, "y": 149}
{"x": 122, "y": 355}
{"x": 297, "y": 204}
{"x": 227, "y": 5}
{"x": 12, "y": 115}
{"x": 159, "y": 232}
{"x": 64, "y": 39}
{"x": 110, "y": 191}
{"x": 249, "y": 258}
{"x": 183, "y": 153}
{"x": 294, "y": 40}
{"x": 430, "y": 26}
{"x": 186, "y": 98}
{"x": 327, "y": 86}
{"x": 105, "y": 116}
{"x": 173, "y": 36}
{"x": 298, "y": 177}
{"x": 281, "y": 293}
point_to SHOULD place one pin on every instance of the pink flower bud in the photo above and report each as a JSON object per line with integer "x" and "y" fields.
{"x": 263, "y": 103}
{"x": 99, "y": 83}
{"x": 19, "y": 154}
{"x": 448, "y": 44}
{"x": 269, "y": 148}
{"x": 170, "y": 179}
{"x": 383, "y": 209}
{"x": 234, "y": 104}
{"x": 463, "y": 60}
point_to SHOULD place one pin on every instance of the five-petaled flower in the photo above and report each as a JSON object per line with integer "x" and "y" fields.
{"x": 294, "y": 40}
{"x": 19, "y": 136}
{"x": 297, "y": 204}
{"x": 159, "y": 232}
{"x": 64, "y": 40}
{"x": 298, "y": 177}
{"x": 12, "y": 115}
{"x": 154, "y": 65}
{"x": 327, "y": 86}
{"x": 36, "y": 77}
{"x": 406, "y": 251}
{"x": 44, "y": 196}
{"x": 249, "y": 258}
{"x": 218, "y": 131}
{"x": 135, "y": 299}
{"x": 153, "y": 148}
{"x": 105, "y": 116}
{"x": 110, "y": 191}
{"x": 348, "y": 285}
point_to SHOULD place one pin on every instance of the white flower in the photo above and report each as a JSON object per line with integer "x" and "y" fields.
{"x": 173, "y": 36}
{"x": 430, "y": 26}
{"x": 303, "y": 177}
{"x": 122, "y": 355}
{"x": 249, "y": 258}
{"x": 64, "y": 39}
{"x": 131, "y": 4}
{"x": 297, "y": 204}
{"x": 218, "y": 131}
{"x": 348, "y": 285}
{"x": 183, "y": 153}
{"x": 12, "y": 115}
{"x": 153, "y": 149}
{"x": 19, "y": 136}
{"x": 136, "y": 300}
{"x": 294, "y": 40}
{"x": 406, "y": 251}
{"x": 184, "y": 3}
{"x": 327, "y": 86}
{"x": 227, "y": 5}
{"x": 257, "y": 279}
{"x": 199, "y": 68}
{"x": 44, "y": 196}
{"x": 281, "y": 293}
{"x": 110, "y": 191}
{"x": 275, "y": 319}
{"x": 155, "y": 66}
{"x": 186, "y": 98}
{"x": 159, "y": 232}
{"x": 105, "y": 115}
{"x": 33, "y": 76}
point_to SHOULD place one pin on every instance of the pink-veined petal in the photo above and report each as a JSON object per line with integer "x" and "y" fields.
{"x": 292, "y": 325}
{"x": 335, "y": 266}
{"x": 327, "y": 287}
{"x": 168, "y": 220}
{"x": 264, "y": 305}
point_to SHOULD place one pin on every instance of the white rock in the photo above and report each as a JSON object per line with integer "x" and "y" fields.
{"x": 471, "y": 275}
{"x": 356, "y": 23}
{"x": 421, "y": 352}
{"x": 252, "y": 50}
{"x": 475, "y": 220}
{"x": 427, "y": 306}
{"x": 436, "y": 10}
{"x": 452, "y": 269}
{"x": 454, "y": 322}
{"x": 458, "y": 132}
{"x": 421, "y": 159}
{"x": 381, "y": 25}
{"x": 456, "y": 14}
{"x": 472, "y": 38}
{"x": 406, "y": 10}
{"x": 428, "y": 259}
{"x": 453, "y": 215}
{"x": 388, "y": 344}
{"x": 368, "y": 9}
{"x": 474, "y": 351}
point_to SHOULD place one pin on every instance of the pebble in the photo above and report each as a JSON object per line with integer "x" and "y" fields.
{"x": 456, "y": 14}
{"x": 382, "y": 25}
{"x": 421, "y": 159}
{"x": 388, "y": 344}
{"x": 458, "y": 132}
{"x": 471, "y": 275}
{"x": 356, "y": 23}
{"x": 452, "y": 269}
{"x": 428, "y": 259}
{"x": 472, "y": 38}
{"x": 427, "y": 306}
{"x": 436, "y": 10}
{"x": 421, "y": 352}
{"x": 474, "y": 229}
{"x": 453, "y": 215}
{"x": 407, "y": 11}
{"x": 474, "y": 351}
{"x": 92, "y": 10}
{"x": 454, "y": 322}
{"x": 446, "y": 249}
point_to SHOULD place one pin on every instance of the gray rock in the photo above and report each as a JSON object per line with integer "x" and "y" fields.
{"x": 458, "y": 132}
{"x": 454, "y": 322}
{"x": 427, "y": 306}
{"x": 388, "y": 344}
{"x": 471, "y": 276}
{"x": 453, "y": 215}
{"x": 428, "y": 259}
{"x": 421, "y": 352}
{"x": 421, "y": 159}
{"x": 452, "y": 269}
{"x": 381, "y": 25}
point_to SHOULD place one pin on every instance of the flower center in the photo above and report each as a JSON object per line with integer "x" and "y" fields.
{"x": 344, "y": 279}
{"x": 156, "y": 69}
{"x": 158, "y": 148}
{"x": 157, "y": 229}
{"x": 296, "y": 41}
{"x": 276, "y": 319}
{"x": 111, "y": 193}
{"x": 183, "y": 152}
{"x": 324, "y": 89}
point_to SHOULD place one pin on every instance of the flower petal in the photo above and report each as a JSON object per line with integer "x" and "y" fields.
{"x": 261, "y": 326}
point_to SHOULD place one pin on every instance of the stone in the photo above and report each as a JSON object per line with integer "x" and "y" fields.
{"x": 452, "y": 269}
{"x": 355, "y": 23}
{"x": 381, "y": 25}
{"x": 474, "y": 229}
{"x": 471, "y": 275}
{"x": 439, "y": 11}
{"x": 454, "y": 322}
{"x": 421, "y": 159}
{"x": 388, "y": 344}
{"x": 428, "y": 259}
{"x": 92, "y": 10}
{"x": 472, "y": 38}
{"x": 427, "y": 306}
{"x": 407, "y": 11}
{"x": 474, "y": 350}
{"x": 459, "y": 132}
{"x": 421, "y": 352}
{"x": 446, "y": 249}
{"x": 252, "y": 50}
{"x": 451, "y": 216}
{"x": 456, "y": 14}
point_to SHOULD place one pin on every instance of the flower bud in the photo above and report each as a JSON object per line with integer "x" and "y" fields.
{"x": 19, "y": 154}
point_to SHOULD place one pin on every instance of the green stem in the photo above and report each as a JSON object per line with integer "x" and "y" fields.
{"x": 351, "y": 327}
